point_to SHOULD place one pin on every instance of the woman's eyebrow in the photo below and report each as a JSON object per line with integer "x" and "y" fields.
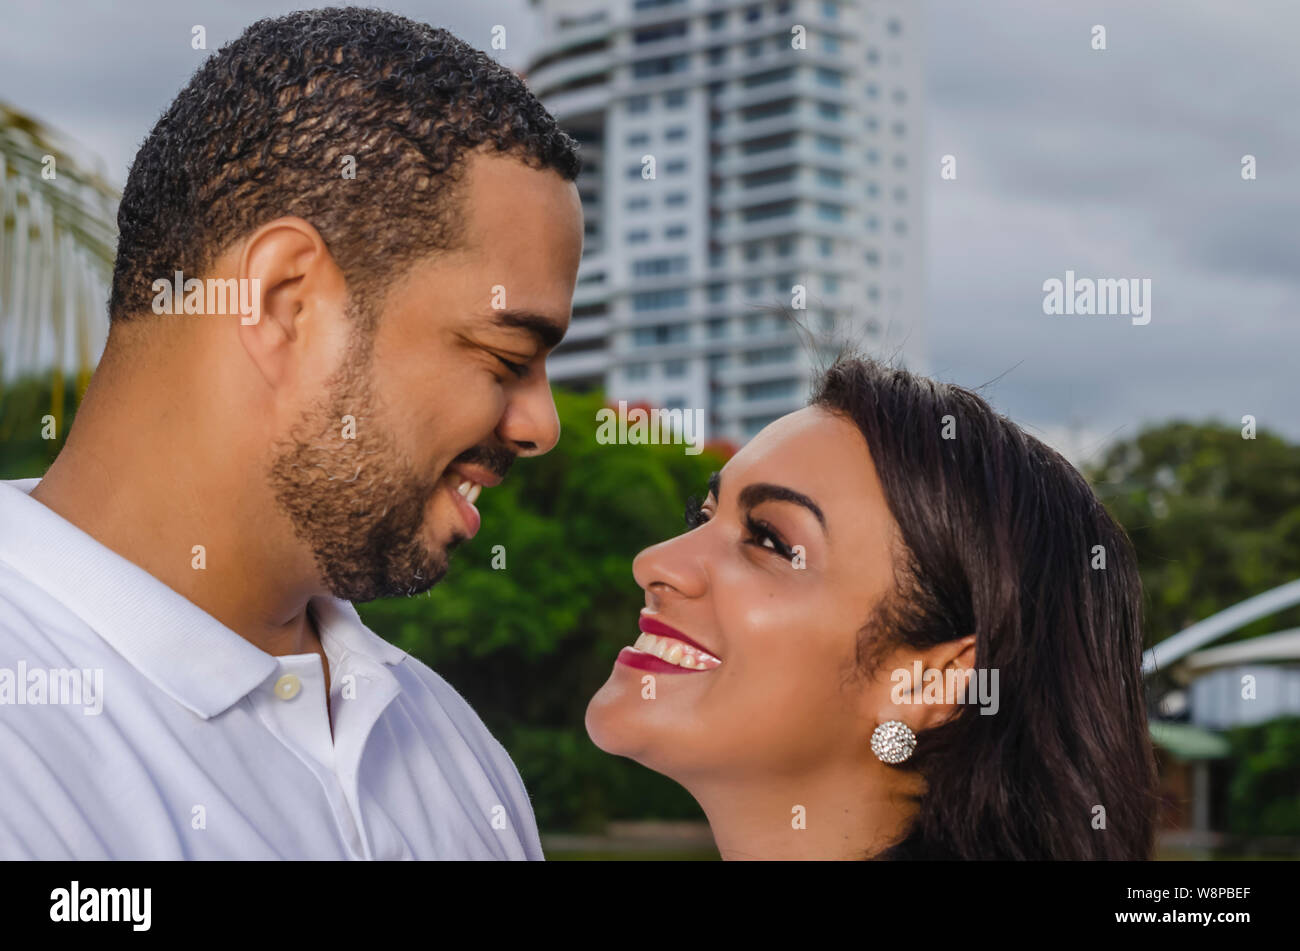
{"x": 752, "y": 495}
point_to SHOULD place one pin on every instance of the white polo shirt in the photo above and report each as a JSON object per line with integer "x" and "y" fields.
{"x": 134, "y": 725}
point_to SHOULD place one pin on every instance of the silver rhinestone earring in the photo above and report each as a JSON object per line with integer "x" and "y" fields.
{"x": 893, "y": 742}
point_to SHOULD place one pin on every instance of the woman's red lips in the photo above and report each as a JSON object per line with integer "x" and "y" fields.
{"x": 650, "y": 625}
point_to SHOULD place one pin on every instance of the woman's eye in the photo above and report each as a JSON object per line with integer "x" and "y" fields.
{"x": 763, "y": 537}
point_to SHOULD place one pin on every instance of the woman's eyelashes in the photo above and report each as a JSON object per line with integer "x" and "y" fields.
{"x": 695, "y": 516}
{"x": 761, "y": 534}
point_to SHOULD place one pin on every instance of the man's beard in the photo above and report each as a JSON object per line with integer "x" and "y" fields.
{"x": 358, "y": 503}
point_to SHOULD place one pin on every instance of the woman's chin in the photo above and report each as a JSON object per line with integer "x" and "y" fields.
{"x": 615, "y": 724}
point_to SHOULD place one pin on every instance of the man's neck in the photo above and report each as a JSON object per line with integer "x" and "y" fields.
{"x": 159, "y": 481}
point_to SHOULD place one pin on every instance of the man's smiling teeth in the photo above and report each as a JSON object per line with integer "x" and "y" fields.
{"x": 674, "y": 652}
{"x": 470, "y": 490}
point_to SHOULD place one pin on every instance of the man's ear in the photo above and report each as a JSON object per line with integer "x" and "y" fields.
{"x": 298, "y": 297}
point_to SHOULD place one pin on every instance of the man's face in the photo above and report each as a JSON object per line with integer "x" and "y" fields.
{"x": 380, "y": 475}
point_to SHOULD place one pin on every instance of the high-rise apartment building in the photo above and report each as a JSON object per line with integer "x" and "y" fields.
{"x": 743, "y": 161}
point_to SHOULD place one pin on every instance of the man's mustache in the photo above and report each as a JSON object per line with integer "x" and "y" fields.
{"x": 496, "y": 459}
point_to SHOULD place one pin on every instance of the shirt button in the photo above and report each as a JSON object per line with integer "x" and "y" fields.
{"x": 287, "y": 687}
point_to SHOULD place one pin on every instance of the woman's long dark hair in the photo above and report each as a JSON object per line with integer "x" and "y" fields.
{"x": 998, "y": 536}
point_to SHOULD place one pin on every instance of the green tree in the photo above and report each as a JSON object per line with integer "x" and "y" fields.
{"x": 1214, "y": 519}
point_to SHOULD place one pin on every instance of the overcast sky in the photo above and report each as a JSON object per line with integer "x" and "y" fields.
{"x": 1117, "y": 164}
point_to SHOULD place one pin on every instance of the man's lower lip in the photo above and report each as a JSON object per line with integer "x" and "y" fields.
{"x": 468, "y": 513}
{"x": 632, "y": 657}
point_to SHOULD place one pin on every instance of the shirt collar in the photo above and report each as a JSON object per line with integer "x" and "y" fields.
{"x": 186, "y": 652}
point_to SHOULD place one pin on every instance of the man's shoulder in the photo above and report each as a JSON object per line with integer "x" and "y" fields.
{"x": 29, "y": 615}
{"x": 421, "y": 682}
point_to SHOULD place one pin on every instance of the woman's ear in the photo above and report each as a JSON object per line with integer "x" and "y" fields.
{"x": 949, "y": 670}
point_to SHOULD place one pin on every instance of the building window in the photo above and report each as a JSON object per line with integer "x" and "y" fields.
{"x": 655, "y": 34}
{"x": 636, "y": 371}
{"x": 781, "y": 209}
{"x": 830, "y": 43}
{"x": 771, "y": 76}
{"x": 829, "y": 178}
{"x": 769, "y": 389}
{"x": 675, "y": 166}
{"x": 830, "y": 283}
{"x": 675, "y": 99}
{"x": 660, "y": 66}
{"x": 675, "y": 231}
{"x": 638, "y": 204}
{"x": 673, "y": 199}
{"x": 636, "y": 140}
{"x": 756, "y": 358}
{"x": 717, "y": 292}
{"x": 717, "y": 328}
{"x": 829, "y": 110}
{"x": 717, "y": 21}
{"x": 829, "y": 77}
{"x": 639, "y": 236}
{"x": 656, "y": 267}
{"x": 827, "y": 143}
{"x": 828, "y": 212}
{"x": 659, "y": 300}
{"x": 636, "y": 104}
{"x": 826, "y": 246}
{"x": 662, "y": 334}
{"x": 674, "y": 369}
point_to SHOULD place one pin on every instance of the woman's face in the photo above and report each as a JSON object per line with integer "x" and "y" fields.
{"x": 782, "y": 620}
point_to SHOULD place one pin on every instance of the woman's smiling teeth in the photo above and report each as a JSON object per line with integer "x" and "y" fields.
{"x": 674, "y": 652}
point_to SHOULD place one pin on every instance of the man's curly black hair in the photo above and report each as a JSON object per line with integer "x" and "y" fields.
{"x": 263, "y": 128}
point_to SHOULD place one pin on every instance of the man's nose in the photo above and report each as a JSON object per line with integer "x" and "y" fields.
{"x": 530, "y": 425}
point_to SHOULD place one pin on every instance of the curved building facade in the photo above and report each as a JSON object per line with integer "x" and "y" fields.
{"x": 744, "y": 162}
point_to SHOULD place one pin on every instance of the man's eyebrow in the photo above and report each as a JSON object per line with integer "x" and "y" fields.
{"x": 545, "y": 329}
{"x": 752, "y": 495}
